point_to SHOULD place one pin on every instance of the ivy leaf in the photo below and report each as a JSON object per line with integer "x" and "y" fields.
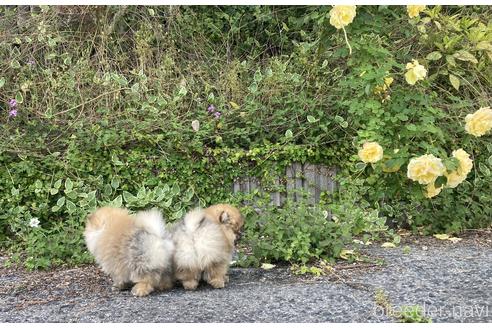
{"x": 288, "y": 134}
{"x": 455, "y": 82}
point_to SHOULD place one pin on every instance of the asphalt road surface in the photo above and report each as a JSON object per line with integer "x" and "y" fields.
{"x": 451, "y": 282}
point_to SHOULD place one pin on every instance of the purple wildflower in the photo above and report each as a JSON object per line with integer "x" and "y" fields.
{"x": 31, "y": 62}
{"x": 217, "y": 114}
{"x": 211, "y": 109}
{"x": 12, "y": 103}
{"x": 13, "y": 113}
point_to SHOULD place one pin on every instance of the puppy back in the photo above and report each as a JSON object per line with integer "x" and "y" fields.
{"x": 151, "y": 221}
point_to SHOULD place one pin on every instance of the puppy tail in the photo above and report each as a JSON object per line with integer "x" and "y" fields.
{"x": 151, "y": 221}
{"x": 194, "y": 219}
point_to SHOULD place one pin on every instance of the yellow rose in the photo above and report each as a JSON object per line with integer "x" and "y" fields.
{"x": 480, "y": 122}
{"x": 415, "y": 72}
{"x": 414, "y": 10}
{"x": 341, "y": 16}
{"x": 371, "y": 152}
{"x": 459, "y": 175}
{"x": 432, "y": 191}
{"x": 425, "y": 169}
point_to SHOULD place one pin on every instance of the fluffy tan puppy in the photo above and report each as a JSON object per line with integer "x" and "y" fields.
{"x": 204, "y": 242}
{"x": 132, "y": 249}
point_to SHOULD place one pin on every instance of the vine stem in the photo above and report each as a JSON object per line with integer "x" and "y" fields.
{"x": 346, "y": 40}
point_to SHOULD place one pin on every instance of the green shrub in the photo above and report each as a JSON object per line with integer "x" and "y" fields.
{"x": 106, "y": 97}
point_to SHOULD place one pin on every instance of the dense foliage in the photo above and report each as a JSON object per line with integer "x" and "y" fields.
{"x": 166, "y": 106}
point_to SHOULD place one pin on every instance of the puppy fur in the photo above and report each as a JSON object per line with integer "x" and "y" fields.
{"x": 132, "y": 249}
{"x": 204, "y": 242}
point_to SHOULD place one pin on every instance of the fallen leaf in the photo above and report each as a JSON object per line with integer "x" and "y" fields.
{"x": 195, "y": 125}
{"x": 388, "y": 245}
{"x": 442, "y": 236}
{"x": 267, "y": 266}
{"x": 455, "y": 239}
{"x": 344, "y": 253}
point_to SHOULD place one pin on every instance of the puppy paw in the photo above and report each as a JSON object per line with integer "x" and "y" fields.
{"x": 166, "y": 283}
{"x": 121, "y": 286}
{"x": 190, "y": 284}
{"x": 142, "y": 289}
{"x": 217, "y": 283}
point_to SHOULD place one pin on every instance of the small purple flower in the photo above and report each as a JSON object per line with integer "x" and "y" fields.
{"x": 211, "y": 109}
{"x": 217, "y": 114}
{"x": 13, "y": 113}
{"x": 12, "y": 103}
{"x": 31, "y": 62}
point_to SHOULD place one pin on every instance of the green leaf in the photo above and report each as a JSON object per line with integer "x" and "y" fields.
{"x": 71, "y": 206}
{"x": 182, "y": 91}
{"x": 15, "y": 64}
{"x": 19, "y": 97}
{"x": 440, "y": 181}
{"x": 484, "y": 169}
{"x": 455, "y": 82}
{"x": 311, "y": 119}
{"x": 339, "y": 119}
{"x": 360, "y": 166}
{"x": 484, "y": 45}
{"x": 60, "y": 201}
{"x": 2, "y": 81}
{"x": 167, "y": 203}
{"x": 344, "y": 124}
{"x": 464, "y": 55}
{"x": 68, "y": 185}
{"x": 451, "y": 164}
{"x": 115, "y": 182}
{"x": 435, "y": 55}
{"x": 117, "y": 202}
{"x": 107, "y": 190}
{"x": 175, "y": 190}
{"x": 450, "y": 60}
{"x": 288, "y": 134}
{"x": 129, "y": 198}
{"x": 57, "y": 184}
{"x": 257, "y": 77}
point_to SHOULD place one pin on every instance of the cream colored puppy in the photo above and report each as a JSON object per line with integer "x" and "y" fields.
{"x": 132, "y": 249}
{"x": 204, "y": 242}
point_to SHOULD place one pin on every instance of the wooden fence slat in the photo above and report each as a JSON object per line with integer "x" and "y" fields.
{"x": 311, "y": 178}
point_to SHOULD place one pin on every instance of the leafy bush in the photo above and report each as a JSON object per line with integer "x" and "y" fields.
{"x": 105, "y": 97}
{"x": 300, "y": 232}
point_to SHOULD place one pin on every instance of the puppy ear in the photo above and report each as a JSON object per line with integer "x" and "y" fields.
{"x": 224, "y": 217}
